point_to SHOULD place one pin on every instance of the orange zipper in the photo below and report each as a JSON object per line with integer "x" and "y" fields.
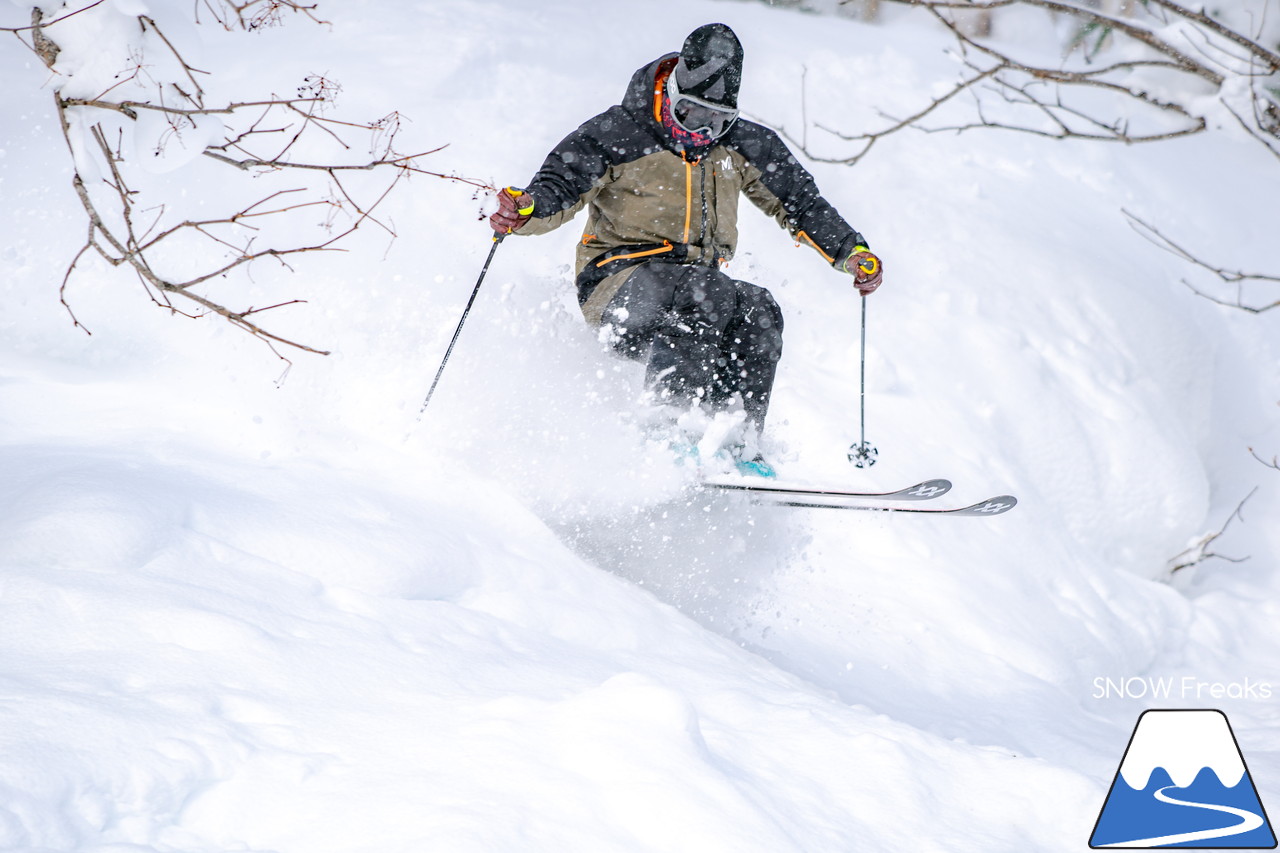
{"x": 688, "y": 195}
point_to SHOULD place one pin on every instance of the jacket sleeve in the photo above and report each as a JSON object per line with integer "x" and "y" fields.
{"x": 569, "y": 178}
{"x": 781, "y": 187}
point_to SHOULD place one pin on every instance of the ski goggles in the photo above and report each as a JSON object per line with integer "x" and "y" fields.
{"x": 698, "y": 116}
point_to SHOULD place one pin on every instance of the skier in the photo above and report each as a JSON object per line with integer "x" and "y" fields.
{"x": 660, "y": 175}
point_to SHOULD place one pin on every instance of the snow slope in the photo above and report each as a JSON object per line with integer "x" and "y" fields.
{"x": 237, "y": 613}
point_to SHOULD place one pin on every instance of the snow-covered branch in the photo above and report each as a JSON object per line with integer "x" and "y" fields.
{"x": 1199, "y": 550}
{"x": 1133, "y": 72}
{"x": 154, "y": 116}
{"x": 1151, "y": 52}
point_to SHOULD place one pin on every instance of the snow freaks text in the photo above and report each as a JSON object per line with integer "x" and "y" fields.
{"x": 1185, "y": 687}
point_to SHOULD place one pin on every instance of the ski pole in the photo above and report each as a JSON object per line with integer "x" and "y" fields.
{"x": 497, "y": 238}
{"x": 863, "y": 455}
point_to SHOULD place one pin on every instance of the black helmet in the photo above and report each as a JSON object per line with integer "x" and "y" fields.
{"x": 710, "y": 66}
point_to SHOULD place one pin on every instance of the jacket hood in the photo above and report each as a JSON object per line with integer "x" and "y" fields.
{"x": 639, "y": 97}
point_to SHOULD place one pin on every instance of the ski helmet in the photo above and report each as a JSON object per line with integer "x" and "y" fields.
{"x": 710, "y": 66}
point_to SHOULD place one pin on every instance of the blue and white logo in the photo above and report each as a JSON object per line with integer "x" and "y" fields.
{"x": 1183, "y": 783}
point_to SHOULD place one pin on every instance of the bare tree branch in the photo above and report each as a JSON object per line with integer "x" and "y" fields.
{"x": 1268, "y": 57}
{"x": 1193, "y": 45}
{"x": 123, "y": 234}
{"x": 62, "y": 291}
{"x": 130, "y": 108}
{"x": 36, "y": 23}
{"x": 1016, "y": 82}
{"x": 1199, "y": 551}
{"x": 1274, "y": 463}
{"x": 871, "y": 138}
{"x": 1137, "y": 33}
{"x": 1234, "y": 277}
{"x": 255, "y": 14}
{"x": 1259, "y": 121}
{"x": 1223, "y": 54}
{"x": 191, "y": 73}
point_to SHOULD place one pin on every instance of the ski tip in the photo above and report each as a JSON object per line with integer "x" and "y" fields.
{"x": 928, "y": 490}
{"x": 991, "y": 506}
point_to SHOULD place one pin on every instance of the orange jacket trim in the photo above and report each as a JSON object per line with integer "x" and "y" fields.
{"x": 809, "y": 240}
{"x": 666, "y": 247}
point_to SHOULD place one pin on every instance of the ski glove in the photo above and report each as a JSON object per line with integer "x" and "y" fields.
{"x": 515, "y": 206}
{"x": 867, "y": 269}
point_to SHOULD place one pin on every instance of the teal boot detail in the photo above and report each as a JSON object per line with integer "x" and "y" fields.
{"x": 684, "y": 451}
{"x": 757, "y": 467}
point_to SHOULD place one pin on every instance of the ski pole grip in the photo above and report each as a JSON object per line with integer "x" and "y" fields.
{"x": 870, "y": 265}
{"x": 515, "y": 193}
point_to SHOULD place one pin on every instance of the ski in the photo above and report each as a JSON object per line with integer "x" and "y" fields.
{"x": 991, "y": 506}
{"x": 928, "y": 490}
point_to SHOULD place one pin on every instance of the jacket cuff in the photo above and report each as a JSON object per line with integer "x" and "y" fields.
{"x": 851, "y": 242}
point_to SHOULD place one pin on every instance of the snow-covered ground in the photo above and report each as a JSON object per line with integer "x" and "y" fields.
{"x": 238, "y": 613}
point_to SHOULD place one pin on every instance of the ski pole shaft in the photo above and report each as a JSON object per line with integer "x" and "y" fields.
{"x": 863, "y": 376}
{"x": 863, "y": 455}
{"x": 497, "y": 238}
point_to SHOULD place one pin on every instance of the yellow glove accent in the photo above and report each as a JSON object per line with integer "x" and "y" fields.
{"x": 869, "y": 265}
{"x": 515, "y": 193}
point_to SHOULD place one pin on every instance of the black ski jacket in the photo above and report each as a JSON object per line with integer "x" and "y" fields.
{"x": 650, "y": 198}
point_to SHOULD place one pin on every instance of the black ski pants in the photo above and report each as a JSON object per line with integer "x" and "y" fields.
{"x": 705, "y": 337}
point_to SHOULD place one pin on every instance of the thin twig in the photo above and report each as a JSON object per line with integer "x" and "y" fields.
{"x": 1274, "y": 463}
{"x": 1199, "y": 552}
{"x": 1235, "y": 277}
{"x": 187, "y": 69}
{"x": 128, "y": 107}
{"x": 44, "y": 24}
{"x": 62, "y": 291}
{"x": 1266, "y": 55}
